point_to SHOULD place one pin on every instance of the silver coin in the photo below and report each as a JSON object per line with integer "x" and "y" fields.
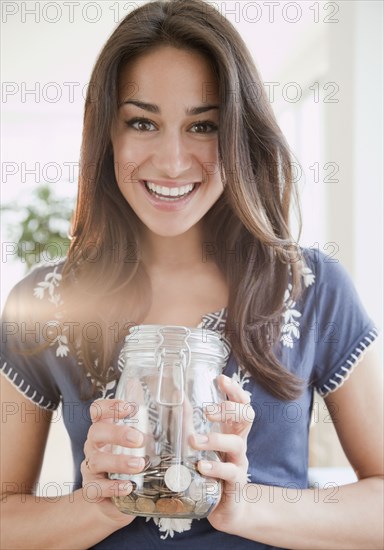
{"x": 167, "y": 458}
{"x": 156, "y": 486}
{"x": 154, "y": 473}
{"x": 191, "y": 461}
{"x": 202, "y": 506}
{"x": 155, "y": 461}
{"x": 177, "y": 478}
{"x": 196, "y": 489}
{"x": 147, "y": 491}
{"x": 212, "y": 489}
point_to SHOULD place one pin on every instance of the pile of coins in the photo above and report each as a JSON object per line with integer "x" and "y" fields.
{"x": 168, "y": 487}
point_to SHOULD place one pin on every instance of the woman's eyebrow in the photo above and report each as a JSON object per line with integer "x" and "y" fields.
{"x": 152, "y": 108}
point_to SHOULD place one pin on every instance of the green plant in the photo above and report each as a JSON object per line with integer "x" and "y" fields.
{"x": 40, "y": 228}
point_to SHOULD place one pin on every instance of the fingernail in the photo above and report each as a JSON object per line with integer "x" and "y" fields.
{"x": 200, "y": 438}
{"x": 204, "y": 465}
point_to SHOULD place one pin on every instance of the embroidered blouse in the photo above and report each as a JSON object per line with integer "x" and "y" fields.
{"x": 324, "y": 335}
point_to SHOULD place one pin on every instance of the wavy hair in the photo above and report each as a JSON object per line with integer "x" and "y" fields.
{"x": 247, "y": 229}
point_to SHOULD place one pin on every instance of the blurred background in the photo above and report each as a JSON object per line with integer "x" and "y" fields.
{"x": 321, "y": 63}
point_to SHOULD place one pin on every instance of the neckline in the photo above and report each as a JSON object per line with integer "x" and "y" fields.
{"x": 217, "y": 312}
{"x": 216, "y": 317}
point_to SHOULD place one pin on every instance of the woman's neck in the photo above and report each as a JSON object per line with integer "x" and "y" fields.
{"x": 182, "y": 251}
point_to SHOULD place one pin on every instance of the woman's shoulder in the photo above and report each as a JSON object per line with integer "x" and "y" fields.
{"x": 326, "y": 283}
{"x": 40, "y": 271}
{"x": 322, "y": 269}
{"x": 325, "y": 260}
{"x": 328, "y": 299}
{"x": 38, "y": 293}
{"x": 32, "y": 344}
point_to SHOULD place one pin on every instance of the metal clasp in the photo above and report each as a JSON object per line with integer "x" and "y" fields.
{"x": 181, "y": 363}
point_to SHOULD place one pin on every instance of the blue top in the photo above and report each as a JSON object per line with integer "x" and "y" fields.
{"x": 324, "y": 335}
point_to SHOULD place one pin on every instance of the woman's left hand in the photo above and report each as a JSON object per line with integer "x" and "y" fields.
{"x": 236, "y": 416}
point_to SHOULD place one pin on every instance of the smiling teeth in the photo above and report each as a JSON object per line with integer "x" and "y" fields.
{"x": 170, "y": 191}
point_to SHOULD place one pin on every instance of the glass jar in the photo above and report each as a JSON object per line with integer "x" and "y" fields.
{"x": 169, "y": 377}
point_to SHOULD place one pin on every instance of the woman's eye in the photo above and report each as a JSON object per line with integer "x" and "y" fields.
{"x": 141, "y": 125}
{"x": 204, "y": 127}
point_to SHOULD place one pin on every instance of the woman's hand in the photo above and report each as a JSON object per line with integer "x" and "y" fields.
{"x": 236, "y": 416}
{"x": 99, "y": 458}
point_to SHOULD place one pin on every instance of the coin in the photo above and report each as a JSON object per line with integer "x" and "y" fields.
{"x": 196, "y": 490}
{"x": 188, "y": 504}
{"x": 126, "y": 504}
{"x": 147, "y": 463}
{"x": 167, "y": 458}
{"x": 177, "y": 478}
{"x": 148, "y": 492}
{"x": 127, "y": 499}
{"x": 202, "y": 506}
{"x": 155, "y": 460}
{"x": 156, "y": 498}
{"x": 146, "y": 505}
{"x": 168, "y": 505}
{"x": 212, "y": 488}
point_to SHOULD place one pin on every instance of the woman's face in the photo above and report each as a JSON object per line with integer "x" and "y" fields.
{"x": 165, "y": 141}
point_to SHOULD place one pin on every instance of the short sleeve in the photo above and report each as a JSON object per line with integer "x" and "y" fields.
{"x": 26, "y": 350}
{"x": 340, "y": 325}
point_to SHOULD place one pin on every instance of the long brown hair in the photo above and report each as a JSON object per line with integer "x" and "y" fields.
{"x": 248, "y": 227}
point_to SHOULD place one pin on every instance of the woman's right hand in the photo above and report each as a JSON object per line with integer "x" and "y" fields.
{"x": 99, "y": 459}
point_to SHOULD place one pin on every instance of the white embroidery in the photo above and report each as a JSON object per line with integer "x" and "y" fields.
{"x": 62, "y": 348}
{"x": 242, "y": 377}
{"x": 108, "y": 391}
{"x": 50, "y": 284}
{"x": 308, "y": 276}
{"x": 170, "y": 526}
{"x": 360, "y": 351}
{"x": 290, "y": 331}
{"x": 105, "y": 391}
{"x": 25, "y": 388}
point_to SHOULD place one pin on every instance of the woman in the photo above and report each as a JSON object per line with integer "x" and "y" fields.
{"x": 182, "y": 218}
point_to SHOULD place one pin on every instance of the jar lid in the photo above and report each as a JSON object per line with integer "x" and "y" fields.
{"x": 149, "y": 338}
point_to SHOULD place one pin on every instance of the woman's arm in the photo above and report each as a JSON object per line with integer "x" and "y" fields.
{"x": 349, "y": 516}
{"x": 72, "y": 521}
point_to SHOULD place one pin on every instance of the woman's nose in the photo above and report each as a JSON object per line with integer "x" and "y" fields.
{"x": 172, "y": 157}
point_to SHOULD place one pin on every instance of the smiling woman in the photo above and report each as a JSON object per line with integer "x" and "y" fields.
{"x": 182, "y": 219}
{"x": 160, "y": 78}
{"x": 163, "y": 148}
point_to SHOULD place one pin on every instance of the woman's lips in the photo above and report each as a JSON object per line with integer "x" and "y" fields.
{"x": 169, "y": 203}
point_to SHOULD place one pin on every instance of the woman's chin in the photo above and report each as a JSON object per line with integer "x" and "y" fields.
{"x": 168, "y": 232}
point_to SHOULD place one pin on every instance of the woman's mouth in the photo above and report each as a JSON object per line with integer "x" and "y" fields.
{"x": 169, "y": 194}
{"x": 169, "y": 198}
